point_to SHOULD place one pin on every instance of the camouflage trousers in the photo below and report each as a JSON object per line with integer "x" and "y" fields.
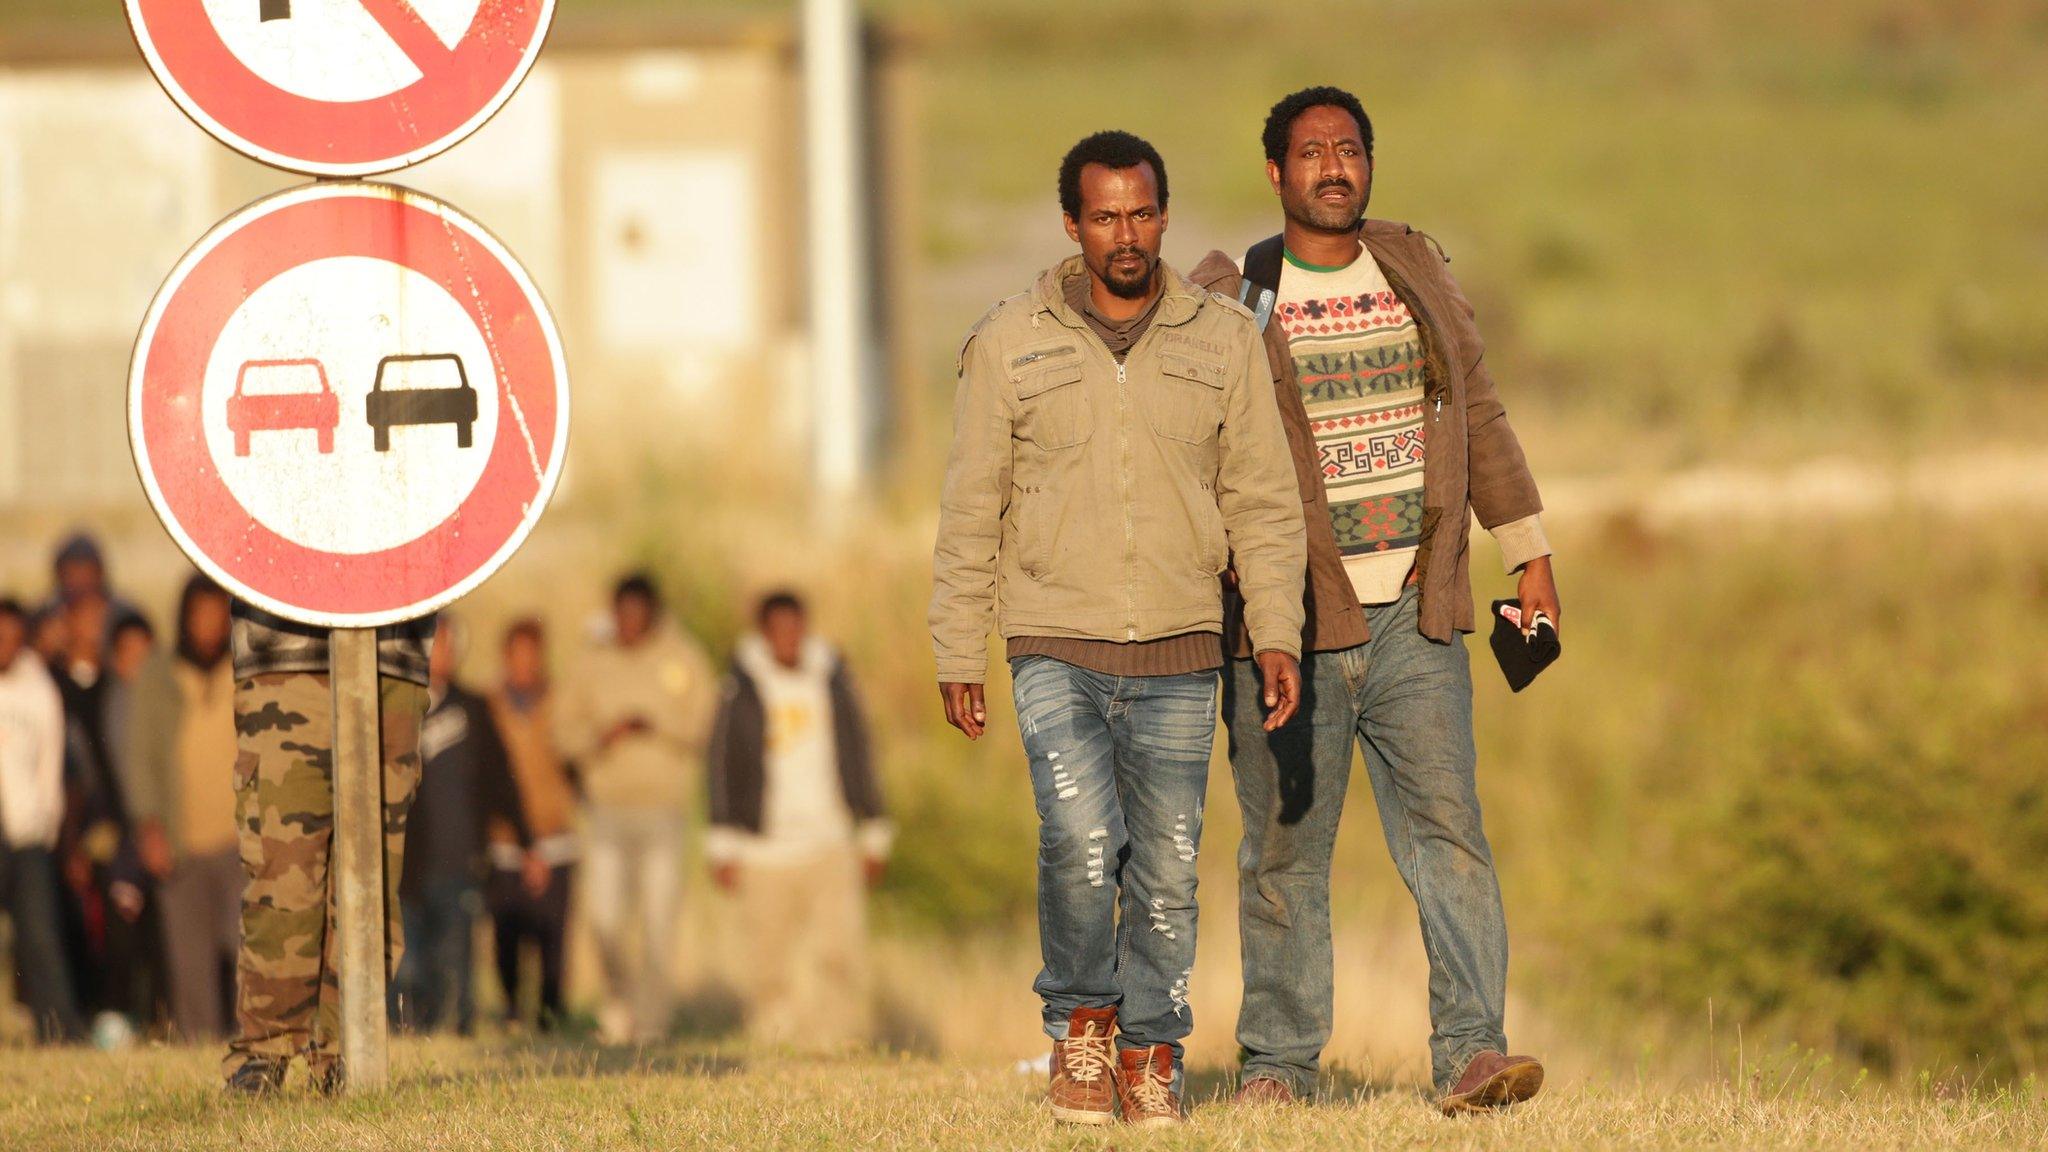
{"x": 288, "y": 993}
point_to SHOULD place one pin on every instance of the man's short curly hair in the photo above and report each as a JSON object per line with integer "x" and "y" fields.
{"x": 1280, "y": 121}
{"x": 780, "y": 600}
{"x": 1111, "y": 150}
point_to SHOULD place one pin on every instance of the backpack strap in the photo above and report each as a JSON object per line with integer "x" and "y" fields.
{"x": 1261, "y": 286}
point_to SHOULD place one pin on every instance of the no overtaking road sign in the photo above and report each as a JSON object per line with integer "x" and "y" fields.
{"x": 348, "y": 404}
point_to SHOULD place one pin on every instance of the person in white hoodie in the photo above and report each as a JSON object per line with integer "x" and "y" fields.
{"x": 797, "y": 827}
{"x": 31, "y": 814}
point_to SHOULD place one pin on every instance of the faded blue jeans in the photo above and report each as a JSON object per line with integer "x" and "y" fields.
{"x": 437, "y": 972}
{"x": 1406, "y": 700}
{"x": 1119, "y": 766}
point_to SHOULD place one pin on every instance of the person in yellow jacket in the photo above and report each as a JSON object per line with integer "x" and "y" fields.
{"x": 635, "y": 718}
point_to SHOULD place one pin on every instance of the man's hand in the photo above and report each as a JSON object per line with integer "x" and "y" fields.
{"x": 534, "y": 875}
{"x": 1281, "y": 675}
{"x": 153, "y": 848}
{"x": 77, "y": 871}
{"x": 630, "y": 726}
{"x": 726, "y": 876}
{"x": 1538, "y": 593}
{"x": 127, "y": 900}
{"x": 964, "y": 708}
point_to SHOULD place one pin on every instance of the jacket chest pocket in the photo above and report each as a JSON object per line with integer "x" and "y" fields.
{"x": 1052, "y": 406}
{"x": 1186, "y": 402}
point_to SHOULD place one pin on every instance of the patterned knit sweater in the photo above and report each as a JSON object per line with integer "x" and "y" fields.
{"x": 1359, "y": 360}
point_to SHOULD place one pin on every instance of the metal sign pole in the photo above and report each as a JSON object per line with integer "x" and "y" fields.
{"x": 838, "y": 224}
{"x": 357, "y": 861}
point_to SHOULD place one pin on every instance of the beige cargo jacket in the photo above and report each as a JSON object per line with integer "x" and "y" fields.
{"x": 1092, "y": 499}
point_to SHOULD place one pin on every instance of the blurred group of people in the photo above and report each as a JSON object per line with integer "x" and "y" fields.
{"x": 121, "y": 881}
{"x": 128, "y": 802}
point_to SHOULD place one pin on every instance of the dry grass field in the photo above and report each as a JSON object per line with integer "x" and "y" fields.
{"x": 448, "y": 1096}
{"x": 1790, "y": 768}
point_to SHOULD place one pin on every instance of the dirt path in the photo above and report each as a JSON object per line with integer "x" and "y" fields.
{"x": 2004, "y": 481}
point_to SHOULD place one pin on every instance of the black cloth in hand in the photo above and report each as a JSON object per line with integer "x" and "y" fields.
{"x": 1522, "y": 657}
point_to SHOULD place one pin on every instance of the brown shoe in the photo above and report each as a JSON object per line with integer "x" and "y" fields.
{"x": 1144, "y": 1082}
{"x": 1492, "y": 1080}
{"x": 1083, "y": 1089}
{"x": 1263, "y": 1090}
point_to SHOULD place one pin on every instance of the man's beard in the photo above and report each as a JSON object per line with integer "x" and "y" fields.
{"x": 1138, "y": 285}
{"x": 1323, "y": 216}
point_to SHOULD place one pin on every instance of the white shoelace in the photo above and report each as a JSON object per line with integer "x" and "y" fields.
{"x": 1086, "y": 1056}
{"x": 1153, "y": 1092}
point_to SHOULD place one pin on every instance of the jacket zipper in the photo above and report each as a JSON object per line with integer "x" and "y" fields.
{"x": 1123, "y": 436}
{"x": 1123, "y": 441}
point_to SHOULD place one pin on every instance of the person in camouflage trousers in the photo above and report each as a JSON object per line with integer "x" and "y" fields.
{"x": 288, "y": 1001}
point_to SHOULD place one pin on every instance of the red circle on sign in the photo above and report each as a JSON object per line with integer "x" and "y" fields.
{"x": 458, "y": 88}
{"x": 176, "y": 463}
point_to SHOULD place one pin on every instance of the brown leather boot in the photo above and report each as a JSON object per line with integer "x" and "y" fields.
{"x": 1261, "y": 1090}
{"x": 1083, "y": 1089}
{"x": 1144, "y": 1082}
{"x": 1492, "y": 1080}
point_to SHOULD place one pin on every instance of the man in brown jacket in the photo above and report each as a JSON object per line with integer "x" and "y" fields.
{"x": 529, "y": 887}
{"x": 1398, "y": 440}
{"x": 1115, "y": 441}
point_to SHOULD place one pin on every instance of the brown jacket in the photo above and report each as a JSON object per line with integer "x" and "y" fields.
{"x": 546, "y": 798}
{"x": 1097, "y": 499}
{"x": 1474, "y": 465}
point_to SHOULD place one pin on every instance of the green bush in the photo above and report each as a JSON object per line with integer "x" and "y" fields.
{"x": 1880, "y": 899}
{"x": 1834, "y": 830}
{"x": 964, "y": 860}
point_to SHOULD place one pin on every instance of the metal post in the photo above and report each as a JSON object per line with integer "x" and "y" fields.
{"x": 837, "y": 257}
{"x": 357, "y": 866}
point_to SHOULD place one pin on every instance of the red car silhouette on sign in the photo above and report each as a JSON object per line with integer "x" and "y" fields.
{"x": 317, "y": 409}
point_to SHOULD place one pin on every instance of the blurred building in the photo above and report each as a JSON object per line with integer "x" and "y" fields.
{"x": 650, "y": 175}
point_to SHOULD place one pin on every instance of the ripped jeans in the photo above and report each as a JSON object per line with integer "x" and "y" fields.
{"x": 1118, "y": 768}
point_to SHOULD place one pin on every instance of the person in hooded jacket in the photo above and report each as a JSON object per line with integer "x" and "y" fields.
{"x": 797, "y": 826}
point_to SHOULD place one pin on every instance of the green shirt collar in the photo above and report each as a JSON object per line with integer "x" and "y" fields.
{"x": 1305, "y": 266}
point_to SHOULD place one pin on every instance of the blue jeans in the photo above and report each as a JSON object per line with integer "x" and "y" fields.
{"x": 42, "y": 979}
{"x": 1118, "y": 767}
{"x": 436, "y": 972}
{"x": 1407, "y": 701}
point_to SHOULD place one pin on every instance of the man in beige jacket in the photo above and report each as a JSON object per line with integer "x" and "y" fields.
{"x": 179, "y": 766}
{"x": 635, "y": 717}
{"x": 1116, "y": 441}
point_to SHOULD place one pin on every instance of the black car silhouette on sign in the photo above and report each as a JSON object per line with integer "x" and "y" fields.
{"x": 447, "y": 398}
